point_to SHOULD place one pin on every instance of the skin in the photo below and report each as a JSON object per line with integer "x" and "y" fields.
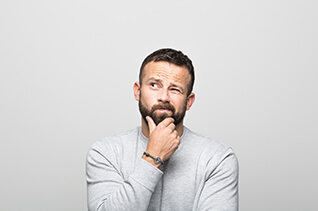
{"x": 163, "y": 82}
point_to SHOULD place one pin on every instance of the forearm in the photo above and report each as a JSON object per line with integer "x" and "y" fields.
{"x": 107, "y": 190}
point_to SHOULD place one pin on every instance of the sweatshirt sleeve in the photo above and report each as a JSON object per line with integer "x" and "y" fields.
{"x": 107, "y": 189}
{"x": 220, "y": 188}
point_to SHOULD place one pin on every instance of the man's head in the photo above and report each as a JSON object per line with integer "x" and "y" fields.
{"x": 165, "y": 86}
{"x": 173, "y": 57}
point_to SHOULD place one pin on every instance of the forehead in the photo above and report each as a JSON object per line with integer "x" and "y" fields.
{"x": 167, "y": 72}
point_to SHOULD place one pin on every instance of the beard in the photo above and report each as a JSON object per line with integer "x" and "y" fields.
{"x": 159, "y": 117}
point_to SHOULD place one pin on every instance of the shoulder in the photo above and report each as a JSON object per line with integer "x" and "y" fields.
{"x": 206, "y": 146}
{"x": 203, "y": 141}
{"x": 115, "y": 142}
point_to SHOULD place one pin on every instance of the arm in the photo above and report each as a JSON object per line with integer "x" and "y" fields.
{"x": 108, "y": 190}
{"x": 220, "y": 189}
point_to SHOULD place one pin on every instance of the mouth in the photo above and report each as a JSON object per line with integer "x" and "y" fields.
{"x": 163, "y": 110}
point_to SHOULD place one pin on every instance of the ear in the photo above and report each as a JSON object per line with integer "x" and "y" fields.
{"x": 137, "y": 90}
{"x": 190, "y": 100}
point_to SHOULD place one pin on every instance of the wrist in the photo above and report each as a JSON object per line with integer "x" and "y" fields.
{"x": 154, "y": 160}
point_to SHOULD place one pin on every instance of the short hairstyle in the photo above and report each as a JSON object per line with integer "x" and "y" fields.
{"x": 172, "y": 56}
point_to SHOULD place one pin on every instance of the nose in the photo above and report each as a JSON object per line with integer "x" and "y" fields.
{"x": 163, "y": 95}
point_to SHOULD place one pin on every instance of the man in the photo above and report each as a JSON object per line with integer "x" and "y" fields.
{"x": 162, "y": 165}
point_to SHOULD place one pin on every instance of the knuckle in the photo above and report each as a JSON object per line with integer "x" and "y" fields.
{"x": 171, "y": 130}
{"x": 178, "y": 141}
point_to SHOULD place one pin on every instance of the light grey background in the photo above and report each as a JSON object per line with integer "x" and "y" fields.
{"x": 68, "y": 67}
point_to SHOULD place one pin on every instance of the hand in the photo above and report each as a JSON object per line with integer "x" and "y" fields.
{"x": 163, "y": 138}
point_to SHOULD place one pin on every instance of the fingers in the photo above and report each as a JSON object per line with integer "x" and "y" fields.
{"x": 151, "y": 124}
{"x": 167, "y": 121}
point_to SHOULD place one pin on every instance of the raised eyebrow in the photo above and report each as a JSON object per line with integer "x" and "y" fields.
{"x": 154, "y": 79}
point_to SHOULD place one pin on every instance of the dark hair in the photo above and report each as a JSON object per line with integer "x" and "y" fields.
{"x": 172, "y": 56}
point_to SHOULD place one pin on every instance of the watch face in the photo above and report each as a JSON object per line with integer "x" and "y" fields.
{"x": 157, "y": 160}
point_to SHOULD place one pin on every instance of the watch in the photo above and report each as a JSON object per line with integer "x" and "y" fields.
{"x": 156, "y": 159}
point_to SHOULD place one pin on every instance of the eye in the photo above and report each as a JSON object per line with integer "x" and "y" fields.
{"x": 176, "y": 90}
{"x": 154, "y": 85}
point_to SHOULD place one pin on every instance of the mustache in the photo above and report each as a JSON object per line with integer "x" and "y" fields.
{"x": 163, "y": 106}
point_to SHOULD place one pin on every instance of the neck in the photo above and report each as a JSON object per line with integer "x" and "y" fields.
{"x": 145, "y": 128}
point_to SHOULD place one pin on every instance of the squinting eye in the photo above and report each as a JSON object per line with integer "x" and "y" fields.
{"x": 176, "y": 90}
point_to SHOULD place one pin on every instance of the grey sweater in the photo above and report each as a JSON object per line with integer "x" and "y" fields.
{"x": 201, "y": 175}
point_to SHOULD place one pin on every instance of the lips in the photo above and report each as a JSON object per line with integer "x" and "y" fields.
{"x": 163, "y": 108}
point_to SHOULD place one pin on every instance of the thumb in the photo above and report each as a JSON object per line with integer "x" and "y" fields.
{"x": 151, "y": 124}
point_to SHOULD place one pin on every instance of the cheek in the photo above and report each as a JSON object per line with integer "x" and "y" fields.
{"x": 147, "y": 98}
{"x": 179, "y": 102}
